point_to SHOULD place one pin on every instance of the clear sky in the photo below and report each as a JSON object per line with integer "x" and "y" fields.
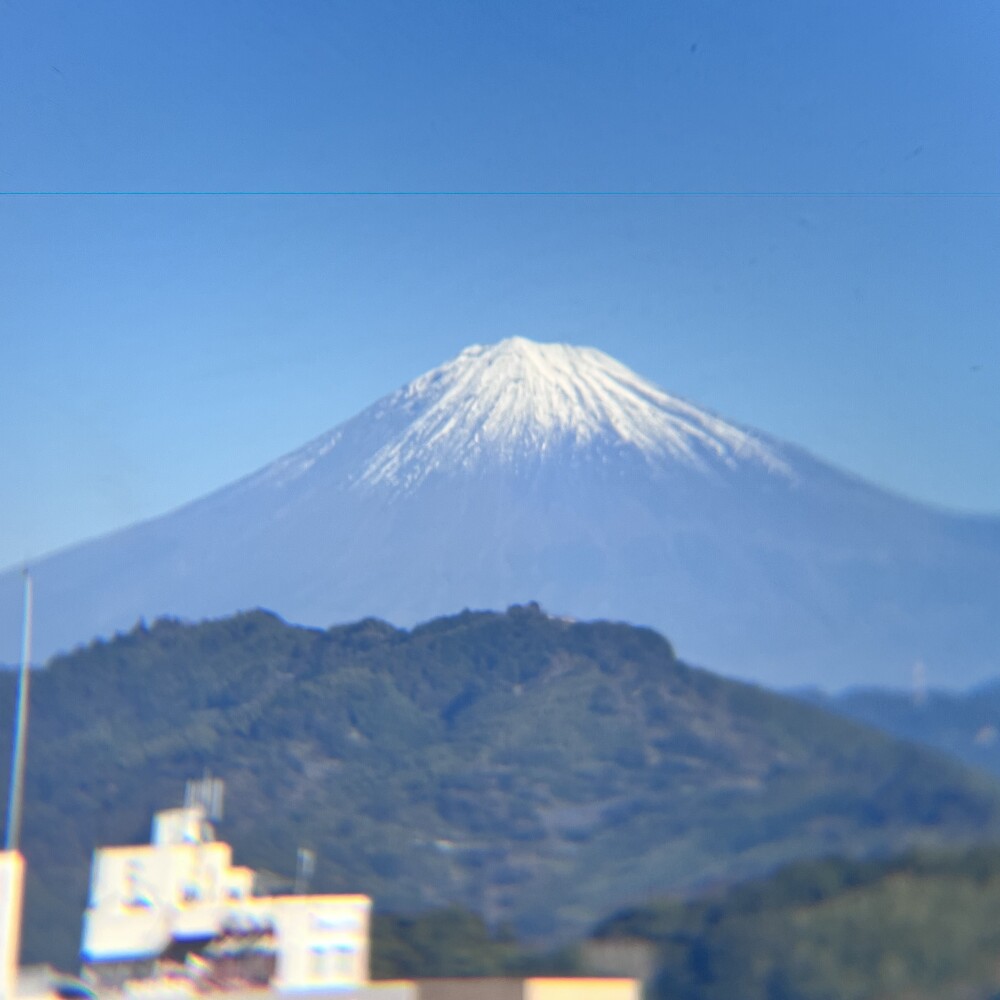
{"x": 227, "y": 226}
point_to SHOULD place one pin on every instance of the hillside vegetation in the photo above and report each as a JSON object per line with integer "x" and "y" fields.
{"x": 537, "y": 771}
{"x": 919, "y": 927}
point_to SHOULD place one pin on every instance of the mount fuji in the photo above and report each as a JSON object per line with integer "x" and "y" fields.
{"x": 524, "y": 471}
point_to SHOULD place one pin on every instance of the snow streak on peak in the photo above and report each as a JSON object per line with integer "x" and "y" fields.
{"x": 518, "y": 399}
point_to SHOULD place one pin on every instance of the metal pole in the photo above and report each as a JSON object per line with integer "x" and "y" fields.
{"x": 15, "y": 793}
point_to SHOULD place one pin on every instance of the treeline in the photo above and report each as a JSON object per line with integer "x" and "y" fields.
{"x": 919, "y": 927}
{"x": 456, "y": 942}
{"x": 922, "y": 926}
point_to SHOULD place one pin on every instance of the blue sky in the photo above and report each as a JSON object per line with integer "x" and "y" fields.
{"x": 226, "y": 227}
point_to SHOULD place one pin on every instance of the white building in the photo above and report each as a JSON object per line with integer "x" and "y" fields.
{"x": 179, "y": 902}
{"x": 175, "y": 920}
{"x": 11, "y": 892}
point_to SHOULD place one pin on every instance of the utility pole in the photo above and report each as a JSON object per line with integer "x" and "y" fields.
{"x": 16, "y": 790}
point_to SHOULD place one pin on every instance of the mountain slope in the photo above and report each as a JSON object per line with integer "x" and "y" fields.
{"x": 537, "y": 770}
{"x": 918, "y": 927}
{"x": 525, "y": 471}
{"x": 965, "y": 725}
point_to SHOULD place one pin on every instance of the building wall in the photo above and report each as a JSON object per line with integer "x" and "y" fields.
{"x": 581, "y": 989}
{"x": 182, "y": 875}
{"x": 11, "y": 893}
{"x": 470, "y": 989}
{"x": 322, "y": 941}
{"x": 527, "y": 989}
{"x": 401, "y": 989}
{"x": 181, "y": 826}
{"x": 139, "y": 895}
{"x": 124, "y": 937}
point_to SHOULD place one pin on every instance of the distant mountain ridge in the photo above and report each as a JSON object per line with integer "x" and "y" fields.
{"x": 527, "y": 471}
{"x": 965, "y": 725}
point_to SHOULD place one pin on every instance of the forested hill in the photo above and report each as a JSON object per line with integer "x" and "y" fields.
{"x": 918, "y": 927}
{"x": 537, "y": 770}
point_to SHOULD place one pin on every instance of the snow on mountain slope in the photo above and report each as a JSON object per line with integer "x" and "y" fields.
{"x": 524, "y": 471}
{"x": 517, "y": 400}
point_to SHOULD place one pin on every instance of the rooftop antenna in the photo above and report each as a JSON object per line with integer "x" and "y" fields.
{"x": 305, "y": 868}
{"x": 207, "y": 793}
{"x": 15, "y": 793}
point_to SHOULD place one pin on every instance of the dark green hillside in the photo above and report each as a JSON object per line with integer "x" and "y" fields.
{"x": 919, "y": 927}
{"x": 538, "y": 771}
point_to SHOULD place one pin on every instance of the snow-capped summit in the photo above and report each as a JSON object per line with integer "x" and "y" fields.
{"x": 524, "y": 471}
{"x": 518, "y": 398}
{"x": 516, "y": 402}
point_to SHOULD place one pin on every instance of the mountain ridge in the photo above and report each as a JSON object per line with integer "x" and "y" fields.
{"x": 755, "y": 556}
